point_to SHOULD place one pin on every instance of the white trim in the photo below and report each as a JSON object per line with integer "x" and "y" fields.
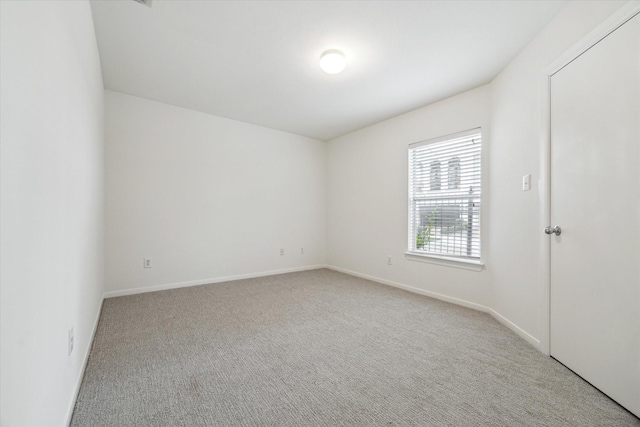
{"x": 413, "y": 289}
{"x": 544, "y": 192}
{"x": 621, "y": 16}
{"x": 112, "y": 294}
{"x": 87, "y": 352}
{"x": 515, "y": 328}
{"x": 464, "y": 303}
{"x": 457, "y": 135}
{"x": 463, "y": 263}
{"x": 177, "y": 285}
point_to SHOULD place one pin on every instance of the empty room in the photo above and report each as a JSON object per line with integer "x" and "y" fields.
{"x": 319, "y": 213}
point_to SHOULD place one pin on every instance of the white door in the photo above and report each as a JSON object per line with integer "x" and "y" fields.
{"x": 595, "y": 199}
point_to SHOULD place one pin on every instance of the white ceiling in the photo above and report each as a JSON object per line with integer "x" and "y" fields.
{"x": 257, "y": 61}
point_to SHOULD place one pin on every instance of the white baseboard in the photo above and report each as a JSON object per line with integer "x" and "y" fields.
{"x": 415, "y": 290}
{"x": 177, "y": 285}
{"x": 515, "y": 328}
{"x": 87, "y": 351}
{"x": 500, "y": 318}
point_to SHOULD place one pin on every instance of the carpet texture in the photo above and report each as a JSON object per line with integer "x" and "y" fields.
{"x": 321, "y": 348}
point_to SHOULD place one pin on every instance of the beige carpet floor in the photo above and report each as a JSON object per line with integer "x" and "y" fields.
{"x": 320, "y": 348}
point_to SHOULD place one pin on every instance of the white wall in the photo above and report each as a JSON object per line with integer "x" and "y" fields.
{"x": 209, "y": 198}
{"x": 367, "y": 184}
{"x": 52, "y": 207}
{"x": 515, "y": 220}
{"x": 367, "y": 206}
{"x": 206, "y": 197}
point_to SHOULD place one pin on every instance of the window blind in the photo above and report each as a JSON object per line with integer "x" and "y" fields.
{"x": 445, "y": 195}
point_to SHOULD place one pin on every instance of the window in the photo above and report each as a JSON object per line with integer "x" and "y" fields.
{"x": 444, "y": 217}
{"x": 454, "y": 173}
{"x": 434, "y": 178}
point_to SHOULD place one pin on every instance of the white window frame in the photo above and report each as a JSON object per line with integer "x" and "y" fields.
{"x": 438, "y": 193}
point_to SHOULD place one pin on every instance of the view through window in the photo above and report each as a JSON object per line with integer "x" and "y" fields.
{"x": 445, "y": 195}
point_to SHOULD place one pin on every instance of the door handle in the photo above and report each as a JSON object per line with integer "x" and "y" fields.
{"x": 555, "y": 230}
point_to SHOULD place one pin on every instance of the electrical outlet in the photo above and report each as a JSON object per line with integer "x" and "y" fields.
{"x": 389, "y": 260}
{"x": 146, "y": 263}
{"x": 70, "y": 342}
{"x": 301, "y": 251}
{"x": 281, "y": 252}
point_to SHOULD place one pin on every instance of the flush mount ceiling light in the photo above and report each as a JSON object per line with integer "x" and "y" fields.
{"x": 332, "y": 61}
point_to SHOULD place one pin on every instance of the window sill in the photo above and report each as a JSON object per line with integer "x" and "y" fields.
{"x": 465, "y": 264}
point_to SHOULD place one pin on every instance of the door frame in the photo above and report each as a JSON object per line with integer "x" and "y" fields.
{"x": 620, "y": 17}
